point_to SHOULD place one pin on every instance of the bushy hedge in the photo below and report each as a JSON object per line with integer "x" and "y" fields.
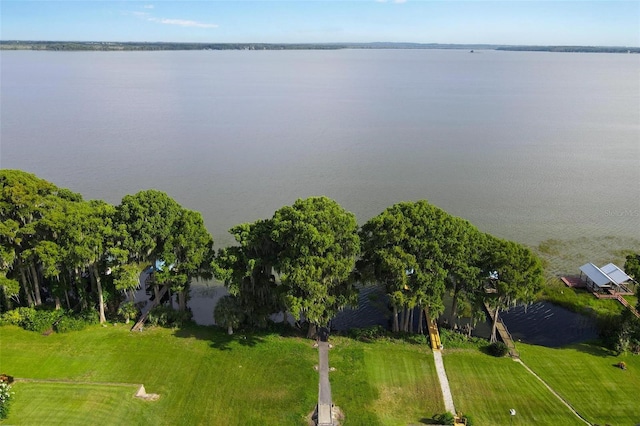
{"x": 41, "y": 320}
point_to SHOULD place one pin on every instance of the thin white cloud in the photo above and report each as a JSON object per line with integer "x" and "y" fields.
{"x": 183, "y": 23}
{"x": 147, "y": 16}
{"x": 148, "y": 6}
{"x": 399, "y": 1}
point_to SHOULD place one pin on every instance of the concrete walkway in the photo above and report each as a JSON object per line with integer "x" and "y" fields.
{"x": 325, "y": 416}
{"x": 444, "y": 382}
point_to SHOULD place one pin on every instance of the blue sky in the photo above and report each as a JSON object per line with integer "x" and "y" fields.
{"x": 577, "y": 22}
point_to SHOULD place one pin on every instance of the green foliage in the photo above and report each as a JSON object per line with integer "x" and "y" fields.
{"x": 368, "y": 334}
{"x": 41, "y": 320}
{"x": 417, "y": 339}
{"x": 311, "y": 245}
{"x": 89, "y": 316}
{"x": 227, "y": 313}
{"x": 445, "y": 419}
{"x": 497, "y": 349}
{"x": 317, "y": 244}
{"x": 69, "y": 323}
{"x": 6, "y": 395}
{"x": 166, "y": 316}
{"x": 128, "y": 311}
{"x": 453, "y": 340}
{"x": 16, "y": 316}
{"x": 621, "y": 333}
{"x": 415, "y": 249}
{"x": 632, "y": 266}
{"x": 31, "y": 319}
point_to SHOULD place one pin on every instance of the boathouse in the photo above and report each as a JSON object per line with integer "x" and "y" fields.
{"x": 608, "y": 278}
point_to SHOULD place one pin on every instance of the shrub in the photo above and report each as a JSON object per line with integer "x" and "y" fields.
{"x": 69, "y": 323}
{"x": 89, "y": 316}
{"x": 454, "y": 340}
{"x": 166, "y": 316}
{"x": 498, "y": 349}
{"x": 41, "y": 320}
{"x": 417, "y": 339}
{"x": 128, "y": 311}
{"x": 16, "y": 316}
{"x": 5, "y": 398}
{"x": 445, "y": 419}
{"x": 368, "y": 334}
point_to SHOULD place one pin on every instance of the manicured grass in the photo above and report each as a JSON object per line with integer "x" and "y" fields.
{"x": 586, "y": 376}
{"x": 204, "y": 376}
{"x": 486, "y": 388}
{"x": 384, "y": 383}
{"x": 63, "y": 403}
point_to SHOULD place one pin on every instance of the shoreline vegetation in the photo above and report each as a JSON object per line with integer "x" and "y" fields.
{"x": 156, "y": 46}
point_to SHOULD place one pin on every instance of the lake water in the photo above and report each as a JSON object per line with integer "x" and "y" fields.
{"x": 526, "y": 145}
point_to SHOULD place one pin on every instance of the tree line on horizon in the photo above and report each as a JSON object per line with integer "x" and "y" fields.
{"x": 308, "y": 260}
{"x": 54, "y": 45}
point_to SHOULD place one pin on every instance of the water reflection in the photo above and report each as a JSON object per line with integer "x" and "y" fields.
{"x": 541, "y": 323}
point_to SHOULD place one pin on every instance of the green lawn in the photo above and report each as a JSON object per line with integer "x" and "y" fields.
{"x": 585, "y": 375}
{"x": 486, "y": 388}
{"x": 384, "y": 383}
{"x": 202, "y": 376}
{"x": 205, "y": 377}
{"x": 66, "y": 404}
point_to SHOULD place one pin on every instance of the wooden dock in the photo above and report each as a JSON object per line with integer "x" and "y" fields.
{"x": 505, "y": 336}
{"x": 573, "y": 282}
{"x": 576, "y": 282}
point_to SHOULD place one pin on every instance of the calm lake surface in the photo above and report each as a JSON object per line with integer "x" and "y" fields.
{"x": 528, "y": 146}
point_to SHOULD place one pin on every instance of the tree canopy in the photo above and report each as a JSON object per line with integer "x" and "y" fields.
{"x": 413, "y": 248}
{"x": 306, "y": 260}
{"x": 311, "y": 246}
{"x": 88, "y": 253}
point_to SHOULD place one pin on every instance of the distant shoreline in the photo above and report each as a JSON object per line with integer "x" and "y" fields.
{"x": 157, "y": 46}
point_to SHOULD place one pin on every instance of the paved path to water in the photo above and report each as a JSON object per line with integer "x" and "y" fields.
{"x": 444, "y": 382}
{"x": 324, "y": 387}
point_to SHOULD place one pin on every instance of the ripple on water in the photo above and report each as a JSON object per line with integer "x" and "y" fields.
{"x": 546, "y": 324}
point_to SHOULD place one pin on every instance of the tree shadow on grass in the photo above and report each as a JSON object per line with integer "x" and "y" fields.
{"x": 593, "y": 348}
{"x": 219, "y": 339}
{"x": 430, "y": 421}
